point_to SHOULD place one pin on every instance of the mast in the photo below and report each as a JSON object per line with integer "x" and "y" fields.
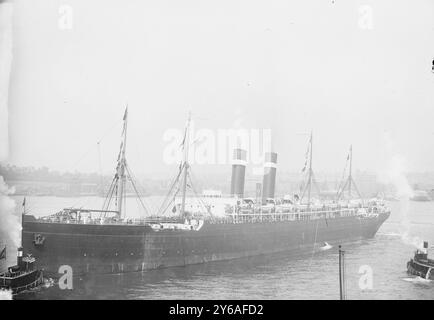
{"x": 349, "y": 181}
{"x": 122, "y": 165}
{"x": 186, "y": 165}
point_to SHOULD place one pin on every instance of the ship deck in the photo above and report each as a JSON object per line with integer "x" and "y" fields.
{"x": 296, "y": 214}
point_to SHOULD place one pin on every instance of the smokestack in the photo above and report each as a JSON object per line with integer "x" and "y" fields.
{"x": 425, "y": 247}
{"x": 269, "y": 181}
{"x": 239, "y": 163}
{"x": 20, "y": 257}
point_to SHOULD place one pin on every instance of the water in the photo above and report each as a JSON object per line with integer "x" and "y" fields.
{"x": 306, "y": 276}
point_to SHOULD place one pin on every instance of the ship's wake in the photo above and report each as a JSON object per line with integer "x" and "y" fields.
{"x": 48, "y": 283}
{"x": 5, "y": 294}
{"x": 389, "y": 234}
{"x": 393, "y": 173}
{"x": 326, "y": 246}
{"x": 417, "y": 279}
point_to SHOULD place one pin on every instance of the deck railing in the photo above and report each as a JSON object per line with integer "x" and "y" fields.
{"x": 296, "y": 214}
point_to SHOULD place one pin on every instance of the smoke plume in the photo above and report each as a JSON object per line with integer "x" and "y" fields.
{"x": 393, "y": 173}
{"x": 5, "y": 295}
{"x": 10, "y": 227}
{"x": 6, "y": 11}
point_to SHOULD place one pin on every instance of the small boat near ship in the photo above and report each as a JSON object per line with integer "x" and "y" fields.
{"x": 23, "y": 276}
{"x": 421, "y": 265}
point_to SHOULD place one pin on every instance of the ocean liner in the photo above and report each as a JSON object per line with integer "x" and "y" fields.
{"x": 108, "y": 241}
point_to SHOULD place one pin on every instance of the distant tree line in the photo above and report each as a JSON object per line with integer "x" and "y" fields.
{"x": 43, "y": 174}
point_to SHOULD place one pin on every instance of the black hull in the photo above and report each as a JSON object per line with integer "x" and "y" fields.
{"x": 132, "y": 248}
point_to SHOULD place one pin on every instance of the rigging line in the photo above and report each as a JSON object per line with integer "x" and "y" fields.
{"x": 192, "y": 177}
{"x": 172, "y": 186}
{"x": 135, "y": 189}
{"x": 137, "y": 182}
{"x": 110, "y": 192}
{"x": 315, "y": 184}
{"x": 93, "y": 146}
{"x": 169, "y": 202}
{"x": 199, "y": 197}
{"x": 314, "y": 244}
{"x": 137, "y": 199}
{"x": 342, "y": 190}
{"x": 168, "y": 198}
{"x": 110, "y": 196}
{"x": 343, "y": 178}
{"x": 172, "y": 200}
{"x": 357, "y": 189}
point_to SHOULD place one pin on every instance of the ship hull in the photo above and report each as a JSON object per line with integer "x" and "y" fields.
{"x": 131, "y": 248}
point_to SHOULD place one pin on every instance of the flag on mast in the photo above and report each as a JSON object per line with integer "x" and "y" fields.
{"x": 183, "y": 139}
{"x": 306, "y": 155}
{"x": 125, "y": 119}
{"x": 24, "y": 205}
{"x": 126, "y": 113}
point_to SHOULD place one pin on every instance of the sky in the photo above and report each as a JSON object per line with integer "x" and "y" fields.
{"x": 352, "y": 72}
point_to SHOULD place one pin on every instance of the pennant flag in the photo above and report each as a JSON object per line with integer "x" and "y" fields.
{"x": 125, "y": 121}
{"x": 183, "y": 139}
{"x": 126, "y": 113}
{"x": 3, "y": 254}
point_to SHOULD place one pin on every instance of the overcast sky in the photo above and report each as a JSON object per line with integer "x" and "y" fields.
{"x": 291, "y": 66}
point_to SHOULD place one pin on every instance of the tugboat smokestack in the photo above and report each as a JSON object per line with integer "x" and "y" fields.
{"x": 239, "y": 163}
{"x": 20, "y": 257}
{"x": 269, "y": 180}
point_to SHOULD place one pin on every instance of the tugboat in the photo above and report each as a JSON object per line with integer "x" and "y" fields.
{"x": 420, "y": 265}
{"x": 21, "y": 277}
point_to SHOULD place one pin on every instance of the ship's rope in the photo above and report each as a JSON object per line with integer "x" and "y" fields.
{"x": 140, "y": 187}
{"x": 314, "y": 243}
{"x": 341, "y": 184}
{"x": 86, "y": 153}
{"x": 309, "y": 184}
{"x": 198, "y": 196}
{"x": 109, "y": 197}
{"x": 139, "y": 198}
{"x": 165, "y": 205}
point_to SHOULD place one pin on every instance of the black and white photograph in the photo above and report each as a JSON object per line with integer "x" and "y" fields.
{"x": 234, "y": 152}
